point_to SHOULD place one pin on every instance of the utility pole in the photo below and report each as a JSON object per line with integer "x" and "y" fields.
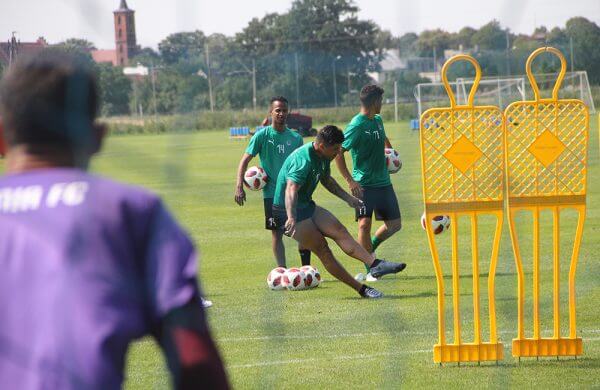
{"x": 572, "y": 58}
{"x": 12, "y": 49}
{"x": 297, "y": 82}
{"x": 210, "y": 93}
{"x": 348, "y": 74}
{"x": 507, "y": 53}
{"x": 434, "y": 65}
{"x": 335, "y": 101}
{"x": 254, "y": 84}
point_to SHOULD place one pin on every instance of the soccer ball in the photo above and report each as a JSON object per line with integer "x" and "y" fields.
{"x": 392, "y": 160}
{"x": 275, "y": 278}
{"x": 439, "y": 223}
{"x": 294, "y": 279}
{"x": 312, "y": 276}
{"x": 255, "y": 178}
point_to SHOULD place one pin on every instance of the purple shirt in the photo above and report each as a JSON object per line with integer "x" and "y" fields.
{"x": 86, "y": 266}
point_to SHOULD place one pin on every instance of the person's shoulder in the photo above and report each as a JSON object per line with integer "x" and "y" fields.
{"x": 378, "y": 117}
{"x": 293, "y": 133}
{"x": 302, "y": 153}
{"x": 356, "y": 121}
{"x": 261, "y": 132}
{"x": 133, "y": 196}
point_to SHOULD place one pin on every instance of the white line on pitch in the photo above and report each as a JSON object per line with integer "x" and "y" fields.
{"x": 311, "y": 360}
{"x": 349, "y": 335}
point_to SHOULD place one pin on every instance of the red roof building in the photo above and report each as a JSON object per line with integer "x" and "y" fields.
{"x": 12, "y": 48}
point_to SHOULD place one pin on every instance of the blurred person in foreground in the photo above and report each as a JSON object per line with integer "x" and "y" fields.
{"x": 88, "y": 264}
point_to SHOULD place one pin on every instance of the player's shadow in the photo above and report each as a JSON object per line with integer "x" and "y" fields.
{"x": 425, "y": 294}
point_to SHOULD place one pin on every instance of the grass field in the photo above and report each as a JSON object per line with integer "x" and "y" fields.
{"x": 329, "y": 337}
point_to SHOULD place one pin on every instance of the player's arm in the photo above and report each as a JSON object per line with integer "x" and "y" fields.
{"x": 333, "y": 186}
{"x": 388, "y": 144}
{"x": 191, "y": 354}
{"x": 354, "y": 186}
{"x": 173, "y": 305}
{"x": 291, "y": 199}
{"x": 240, "y": 194}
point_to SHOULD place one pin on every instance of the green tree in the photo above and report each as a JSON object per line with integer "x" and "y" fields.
{"x": 320, "y": 35}
{"x": 557, "y": 37}
{"x": 407, "y": 44}
{"x": 115, "y": 90}
{"x": 586, "y": 46}
{"x": 433, "y": 39}
{"x": 490, "y": 37}
{"x": 465, "y": 37}
{"x": 182, "y": 46}
{"x": 77, "y": 44}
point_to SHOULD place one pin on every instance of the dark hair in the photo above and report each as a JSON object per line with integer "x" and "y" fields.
{"x": 369, "y": 94}
{"x": 49, "y": 99}
{"x": 279, "y": 99}
{"x": 330, "y": 135}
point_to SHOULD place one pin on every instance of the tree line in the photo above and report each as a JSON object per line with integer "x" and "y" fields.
{"x": 319, "y": 53}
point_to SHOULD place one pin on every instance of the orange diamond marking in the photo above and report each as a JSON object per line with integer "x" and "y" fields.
{"x": 463, "y": 154}
{"x": 546, "y": 148}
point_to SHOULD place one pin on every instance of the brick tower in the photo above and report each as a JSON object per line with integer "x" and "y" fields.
{"x": 124, "y": 34}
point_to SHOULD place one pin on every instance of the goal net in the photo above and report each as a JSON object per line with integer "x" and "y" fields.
{"x": 501, "y": 91}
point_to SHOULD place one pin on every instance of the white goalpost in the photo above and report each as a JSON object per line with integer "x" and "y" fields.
{"x": 501, "y": 91}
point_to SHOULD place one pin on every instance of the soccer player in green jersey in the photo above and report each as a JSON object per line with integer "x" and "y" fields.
{"x": 273, "y": 144}
{"x": 310, "y": 224}
{"x": 370, "y": 180}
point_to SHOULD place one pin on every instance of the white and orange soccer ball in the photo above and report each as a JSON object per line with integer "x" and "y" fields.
{"x": 439, "y": 223}
{"x": 312, "y": 276}
{"x": 392, "y": 159}
{"x": 255, "y": 178}
{"x": 275, "y": 278}
{"x": 294, "y": 279}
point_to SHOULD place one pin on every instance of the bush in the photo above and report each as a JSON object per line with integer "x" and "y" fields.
{"x": 219, "y": 120}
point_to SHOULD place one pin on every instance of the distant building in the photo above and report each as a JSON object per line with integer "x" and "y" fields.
{"x": 393, "y": 62}
{"x": 10, "y": 50}
{"x": 125, "y": 38}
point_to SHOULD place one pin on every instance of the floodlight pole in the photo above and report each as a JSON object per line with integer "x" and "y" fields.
{"x": 297, "y": 81}
{"x": 254, "y": 84}
{"x": 335, "y": 100}
{"x": 210, "y": 93}
{"x": 396, "y": 101}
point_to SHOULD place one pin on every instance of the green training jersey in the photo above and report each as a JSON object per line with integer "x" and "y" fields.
{"x": 365, "y": 139}
{"x": 273, "y": 147}
{"x": 305, "y": 168}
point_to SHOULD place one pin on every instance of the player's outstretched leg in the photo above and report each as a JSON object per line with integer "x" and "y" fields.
{"x": 385, "y": 231}
{"x": 364, "y": 235}
{"x": 310, "y": 237}
{"x": 331, "y": 227}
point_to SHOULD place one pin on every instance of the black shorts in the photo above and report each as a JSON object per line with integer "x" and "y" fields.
{"x": 269, "y": 220}
{"x": 280, "y": 214}
{"x": 382, "y": 200}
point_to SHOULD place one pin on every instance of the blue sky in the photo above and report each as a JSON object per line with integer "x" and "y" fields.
{"x": 92, "y": 19}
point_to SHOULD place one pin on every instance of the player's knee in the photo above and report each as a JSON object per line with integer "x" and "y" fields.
{"x": 364, "y": 224}
{"x": 395, "y": 225}
{"x": 322, "y": 251}
{"x": 277, "y": 235}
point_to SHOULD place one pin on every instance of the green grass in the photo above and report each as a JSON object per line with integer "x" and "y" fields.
{"x": 328, "y": 337}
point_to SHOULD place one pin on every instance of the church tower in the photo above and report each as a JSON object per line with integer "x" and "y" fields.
{"x": 125, "y": 40}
